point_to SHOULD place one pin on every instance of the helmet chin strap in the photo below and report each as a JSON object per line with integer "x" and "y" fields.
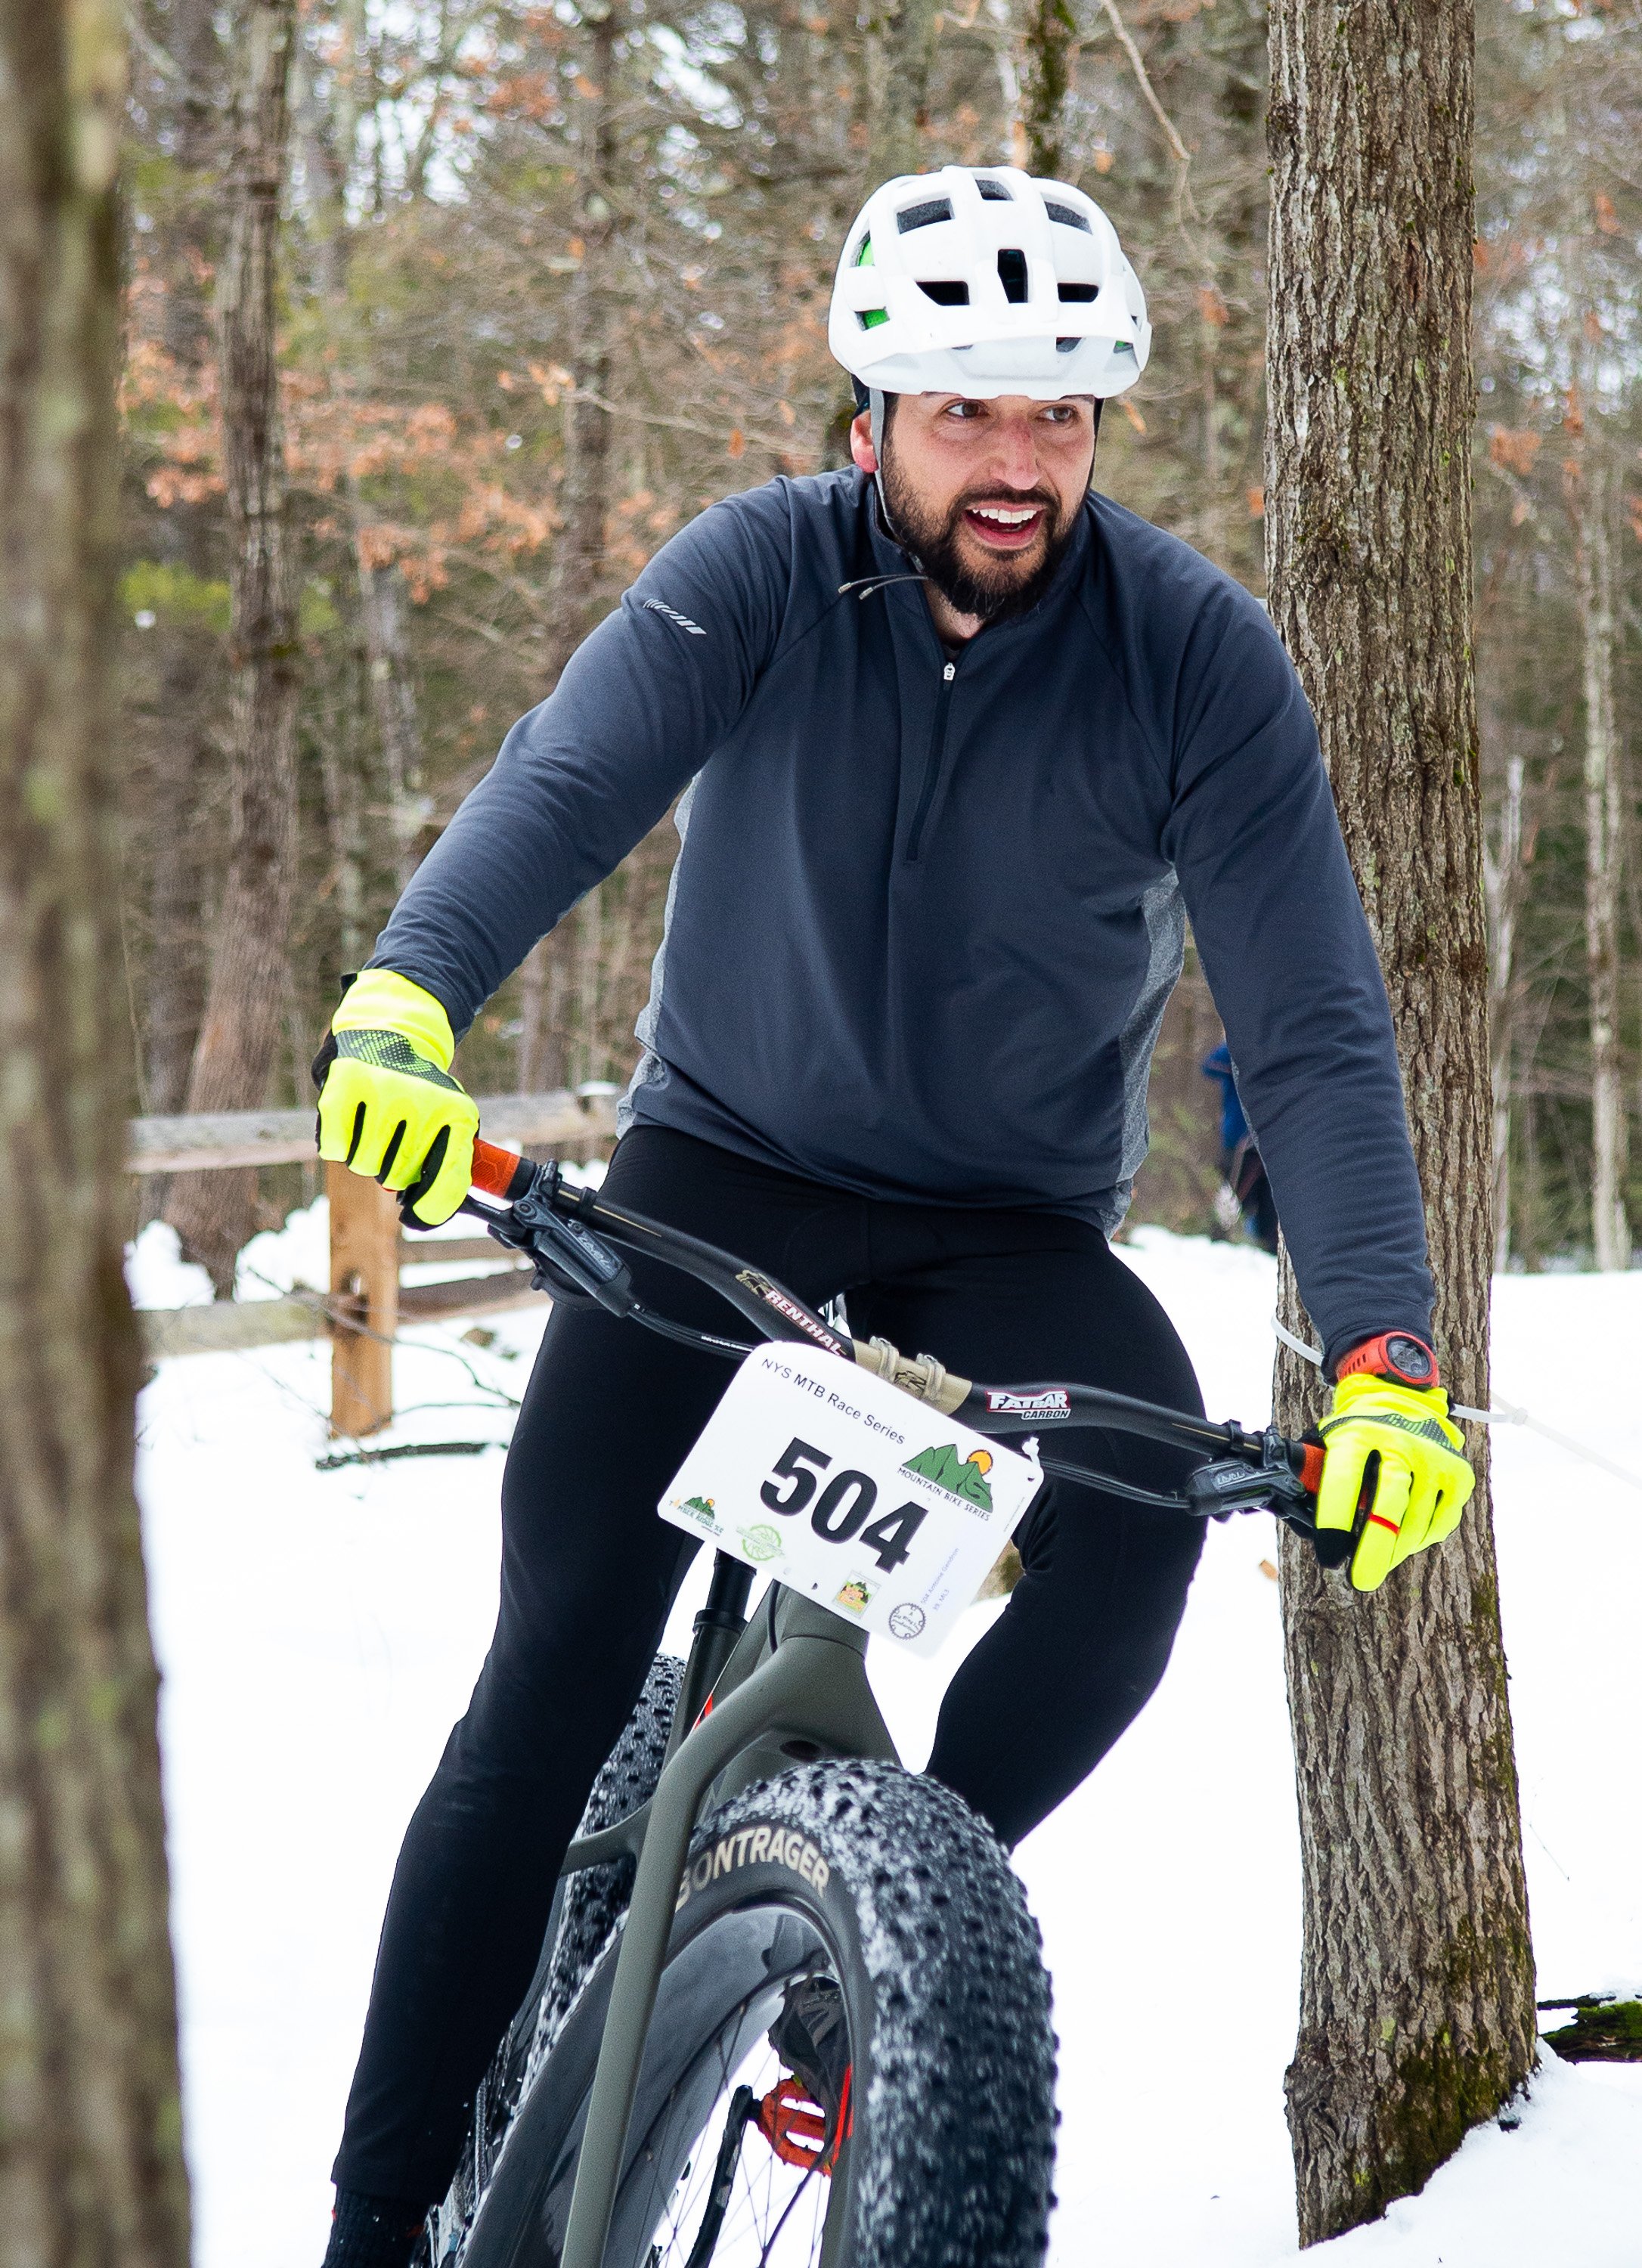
{"x": 876, "y": 406}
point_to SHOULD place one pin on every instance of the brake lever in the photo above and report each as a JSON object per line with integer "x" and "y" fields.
{"x": 1229, "y": 1484}
{"x": 569, "y": 1263}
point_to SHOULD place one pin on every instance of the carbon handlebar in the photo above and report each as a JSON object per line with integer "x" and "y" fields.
{"x": 576, "y": 1239}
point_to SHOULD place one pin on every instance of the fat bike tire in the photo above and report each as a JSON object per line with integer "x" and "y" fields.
{"x": 587, "y": 1911}
{"x": 888, "y": 1891}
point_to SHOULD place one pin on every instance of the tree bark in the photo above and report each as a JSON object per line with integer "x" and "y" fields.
{"x": 576, "y": 595}
{"x": 1416, "y": 2006}
{"x": 383, "y": 601}
{"x": 1589, "y": 489}
{"x": 91, "y": 2167}
{"x": 1503, "y": 876}
{"x": 240, "y": 1033}
{"x": 899, "y": 55}
{"x": 178, "y": 870}
{"x": 176, "y": 880}
{"x": 1050, "y": 30}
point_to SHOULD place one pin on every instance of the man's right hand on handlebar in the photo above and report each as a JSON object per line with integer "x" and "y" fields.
{"x": 1389, "y": 1432}
{"x": 388, "y": 1106}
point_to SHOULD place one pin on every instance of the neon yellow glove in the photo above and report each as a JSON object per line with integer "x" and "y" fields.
{"x": 1421, "y": 1483}
{"x": 388, "y": 1106}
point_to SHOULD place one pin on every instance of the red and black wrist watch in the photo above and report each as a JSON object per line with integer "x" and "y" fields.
{"x": 1396, "y": 1354}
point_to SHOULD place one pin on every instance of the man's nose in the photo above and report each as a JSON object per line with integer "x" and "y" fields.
{"x": 1015, "y": 454}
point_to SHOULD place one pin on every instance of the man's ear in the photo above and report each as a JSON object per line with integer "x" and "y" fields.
{"x": 861, "y": 441}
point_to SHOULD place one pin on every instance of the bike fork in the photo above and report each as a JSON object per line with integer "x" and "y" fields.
{"x": 807, "y": 1692}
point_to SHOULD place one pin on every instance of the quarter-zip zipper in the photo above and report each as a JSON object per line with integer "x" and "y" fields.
{"x": 932, "y": 762}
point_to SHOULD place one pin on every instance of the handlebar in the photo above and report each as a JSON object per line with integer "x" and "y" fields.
{"x": 499, "y": 1172}
{"x": 575, "y": 1239}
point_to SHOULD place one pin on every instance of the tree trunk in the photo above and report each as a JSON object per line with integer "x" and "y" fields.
{"x": 1050, "y": 30}
{"x": 1416, "y": 2006}
{"x": 1502, "y": 876}
{"x": 91, "y": 2167}
{"x": 383, "y": 599}
{"x": 575, "y": 594}
{"x": 178, "y": 870}
{"x": 899, "y": 54}
{"x": 240, "y": 1037}
{"x": 176, "y": 880}
{"x": 1590, "y": 490}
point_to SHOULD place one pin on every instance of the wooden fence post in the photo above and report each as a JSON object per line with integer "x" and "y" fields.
{"x": 365, "y": 1294}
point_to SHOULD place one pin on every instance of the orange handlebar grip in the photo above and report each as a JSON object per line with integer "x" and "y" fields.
{"x": 500, "y": 1173}
{"x": 1311, "y": 1468}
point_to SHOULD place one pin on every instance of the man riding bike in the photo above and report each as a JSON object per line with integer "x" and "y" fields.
{"x": 964, "y": 744}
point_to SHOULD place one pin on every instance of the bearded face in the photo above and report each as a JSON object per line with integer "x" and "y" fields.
{"x": 987, "y": 493}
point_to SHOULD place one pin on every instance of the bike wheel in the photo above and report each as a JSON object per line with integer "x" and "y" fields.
{"x": 883, "y": 1894}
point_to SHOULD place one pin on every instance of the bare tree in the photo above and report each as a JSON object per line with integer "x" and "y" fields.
{"x": 900, "y": 56}
{"x": 1416, "y": 2006}
{"x": 576, "y": 596}
{"x": 1050, "y": 30}
{"x": 240, "y": 1037}
{"x": 177, "y": 870}
{"x": 1589, "y": 489}
{"x": 1504, "y": 873}
{"x": 91, "y": 2167}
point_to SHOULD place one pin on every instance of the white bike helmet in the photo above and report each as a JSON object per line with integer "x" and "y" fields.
{"x": 980, "y": 281}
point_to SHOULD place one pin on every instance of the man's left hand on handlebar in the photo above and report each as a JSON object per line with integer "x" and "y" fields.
{"x": 1391, "y": 1426}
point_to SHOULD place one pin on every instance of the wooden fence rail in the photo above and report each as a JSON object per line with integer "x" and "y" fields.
{"x": 285, "y": 1137}
{"x": 365, "y": 1302}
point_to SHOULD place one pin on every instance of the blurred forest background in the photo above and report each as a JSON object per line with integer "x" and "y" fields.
{"x": 547, "y": 280}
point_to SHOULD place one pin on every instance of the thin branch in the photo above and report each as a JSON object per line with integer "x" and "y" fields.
{"x": 1181, "y": 155}
{"x": 776, "y": 446}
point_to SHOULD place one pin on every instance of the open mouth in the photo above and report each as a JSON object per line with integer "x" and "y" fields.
{"x": 1005, "y": 527}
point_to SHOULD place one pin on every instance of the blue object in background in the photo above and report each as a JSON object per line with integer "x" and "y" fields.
{"x": 1234, "y": 1126}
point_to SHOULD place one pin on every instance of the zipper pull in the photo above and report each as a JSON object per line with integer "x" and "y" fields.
{"x": 950, "y": 672}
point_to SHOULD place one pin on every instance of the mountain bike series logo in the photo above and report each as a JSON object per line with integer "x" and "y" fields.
{"x": 963, "y": 1477}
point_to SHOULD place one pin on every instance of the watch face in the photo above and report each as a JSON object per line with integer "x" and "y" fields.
{"x": 1410, "y": 1357}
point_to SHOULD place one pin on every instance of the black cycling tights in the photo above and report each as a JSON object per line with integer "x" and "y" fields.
{"x": 589, "y": 1572}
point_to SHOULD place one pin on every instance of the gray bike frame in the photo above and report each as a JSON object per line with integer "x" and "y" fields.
{"x": 792, "y": 1687}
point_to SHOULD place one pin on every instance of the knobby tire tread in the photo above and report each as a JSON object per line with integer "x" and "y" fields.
{"x": 941, "y": 1963}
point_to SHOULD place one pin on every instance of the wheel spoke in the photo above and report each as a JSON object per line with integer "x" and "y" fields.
{"x": 737, "y": 2205}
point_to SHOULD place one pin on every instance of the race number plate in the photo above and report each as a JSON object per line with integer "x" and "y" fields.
{"x": 841, "y": 1486}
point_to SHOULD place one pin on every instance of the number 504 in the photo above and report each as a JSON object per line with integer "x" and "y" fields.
{"x": 844, "y": 1507}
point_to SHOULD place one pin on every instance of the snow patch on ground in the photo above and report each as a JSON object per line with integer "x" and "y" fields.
{"x": 318, "y": 1632}
{"x": 158, "y": 1276}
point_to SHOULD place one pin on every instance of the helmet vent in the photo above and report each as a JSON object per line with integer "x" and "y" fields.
{"x": 1067, "y": 217}
{"x": 1011, "y": 274}
{"x": 924, "y": 215}
{"x": 993, "y": 189}
{"x": 1074, "y": 292}
{"x": 947, "y": 295}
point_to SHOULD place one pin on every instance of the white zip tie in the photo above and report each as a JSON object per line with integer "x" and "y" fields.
{"x": 1313, "y": 1355}
{"x": 1506, "y": 1414}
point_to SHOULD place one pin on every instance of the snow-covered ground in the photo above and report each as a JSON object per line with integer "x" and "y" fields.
{"x": 319, "y": 1631}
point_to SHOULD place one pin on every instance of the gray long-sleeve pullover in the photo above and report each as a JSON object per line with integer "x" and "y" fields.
{"x": 927, "y": 910}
